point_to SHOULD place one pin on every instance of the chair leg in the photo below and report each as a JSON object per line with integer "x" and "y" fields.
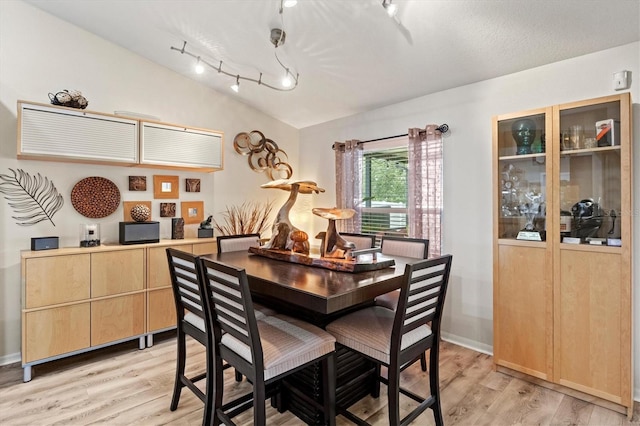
{"x": 393, "y": 394}
{"x": 423, "y": 362}
{"x": 329, "y": 390}
{"x": 434, "y": 384}
{"x": 238, "y": 376}
{"x": 259, "y": 405}
{"x": 218, "y": 390}
{"x": 375, "y": 391}
{"x": 209, "y": 407}
{"x": 180, "y": 361}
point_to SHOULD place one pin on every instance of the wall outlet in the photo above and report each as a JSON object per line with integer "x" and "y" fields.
{"x": 621, "y": 80}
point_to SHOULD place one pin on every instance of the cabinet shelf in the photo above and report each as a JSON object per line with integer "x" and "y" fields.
{"x": 522, "y": 157}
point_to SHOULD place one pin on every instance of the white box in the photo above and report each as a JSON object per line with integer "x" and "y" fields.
{"x": 608, "y": 132}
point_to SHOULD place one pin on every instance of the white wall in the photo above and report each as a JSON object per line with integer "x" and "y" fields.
{"x": 40, "y": 54}
{"x": 467, "y": 227}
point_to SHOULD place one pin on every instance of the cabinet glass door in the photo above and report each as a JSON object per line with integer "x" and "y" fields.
{"x": 522, "y": 178}
{"x": 590, "y": 175}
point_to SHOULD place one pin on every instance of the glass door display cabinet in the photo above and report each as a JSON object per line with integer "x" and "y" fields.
{"x": 562, "y": 247}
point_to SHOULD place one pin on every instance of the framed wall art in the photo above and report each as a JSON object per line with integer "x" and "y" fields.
{"x": 137, "y": 183}
{"x": 165, "y": 186}
{"x": 192, "y": 211}
{"x": 192, "y": 185}
{"x": 167, "y": 209}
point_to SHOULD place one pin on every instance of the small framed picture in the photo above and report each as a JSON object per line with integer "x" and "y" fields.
{"x": 167, "y": 209}
{"x": 137, "y": 183}
{"x": 165, "y": 186}
{"x": 192, "y": 185}
{"x": 192, "y": 211}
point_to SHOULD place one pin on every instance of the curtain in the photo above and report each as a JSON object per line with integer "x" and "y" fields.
{"x": 424, "y": 206}
{"x": 348, "y": 183}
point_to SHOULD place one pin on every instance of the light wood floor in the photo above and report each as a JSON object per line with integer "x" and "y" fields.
{"x": 126, "y": 386}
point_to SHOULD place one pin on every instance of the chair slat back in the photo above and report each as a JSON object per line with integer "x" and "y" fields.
{"x": 362, "y": 241}
{"x": 232, "y": 307}
{"x": 184, "y": 281}
{"x": 422, "y": 295}
{"x": 417, "y": 248}
{"x": 227, "y": 243}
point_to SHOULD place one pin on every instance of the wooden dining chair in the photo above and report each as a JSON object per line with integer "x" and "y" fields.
{"x": 415, "y": 248}
{"x": 191, "y": 321}
{"x": 395, "y": 339}
{"x": 264, "y": 350}
{"x": 362, "y": 241}
{"x": 241, "y": 242}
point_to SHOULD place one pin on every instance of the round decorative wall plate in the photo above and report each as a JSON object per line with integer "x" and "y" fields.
{"x": 95, "y": 197}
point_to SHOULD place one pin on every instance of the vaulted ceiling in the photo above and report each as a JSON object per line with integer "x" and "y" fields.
{"x": 351, "y": 56}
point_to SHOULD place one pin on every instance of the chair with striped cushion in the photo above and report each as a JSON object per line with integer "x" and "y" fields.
{"x": 395, "y": 339}
{"x": 264, "y": 350}
{"x": 190, "y": 310}
{"x": 227, "y": 243}
{"x": 416, "y": 248}
{"x": 362, "y": 241}
{"x": 242, "y": 242}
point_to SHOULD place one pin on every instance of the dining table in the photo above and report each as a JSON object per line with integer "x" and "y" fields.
{"x": 319, "y": 296}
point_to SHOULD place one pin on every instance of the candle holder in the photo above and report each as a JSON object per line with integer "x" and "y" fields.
{"x": 89, "y": 235}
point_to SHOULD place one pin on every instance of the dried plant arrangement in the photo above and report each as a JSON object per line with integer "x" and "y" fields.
{"x": 32, "y": 198}
{"x": 250, "y": 217}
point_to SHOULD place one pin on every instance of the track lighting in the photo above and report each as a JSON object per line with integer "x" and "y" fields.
{"x": 391, "y": 8}
{"x": 199, "y": 67}
{"x": 277, "y": 37}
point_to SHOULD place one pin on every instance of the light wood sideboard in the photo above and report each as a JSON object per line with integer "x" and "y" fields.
{"x": 75, "y": 300}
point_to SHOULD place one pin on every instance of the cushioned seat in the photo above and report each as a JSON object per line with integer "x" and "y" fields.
{"x": 396, "y": 338}
{"x": 264, "y": 350}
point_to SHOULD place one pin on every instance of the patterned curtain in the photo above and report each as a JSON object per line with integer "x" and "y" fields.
{"x": 425, "y": 190}
{"x": 348, "y": 183}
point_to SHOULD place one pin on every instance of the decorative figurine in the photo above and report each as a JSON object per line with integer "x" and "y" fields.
{"x": 524, "y": 132}
{"x": 206, "y": 229}
{"x": 333, "y": 245}
{"x": 282, "y": 228}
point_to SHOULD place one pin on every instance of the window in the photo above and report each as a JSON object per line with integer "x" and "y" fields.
{"x": 384, "y": 190}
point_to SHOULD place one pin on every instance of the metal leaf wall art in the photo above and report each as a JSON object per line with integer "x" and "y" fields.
{"x": 33, "y": 198}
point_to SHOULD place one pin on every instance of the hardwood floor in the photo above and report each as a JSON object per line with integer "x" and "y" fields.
{"x": 125, "y": 386}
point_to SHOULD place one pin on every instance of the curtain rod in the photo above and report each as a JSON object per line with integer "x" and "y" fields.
{"x": 443, "y": 128}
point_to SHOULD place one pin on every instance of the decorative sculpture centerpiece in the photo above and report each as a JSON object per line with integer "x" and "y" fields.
{"x": 290, "y": 244}
{"x": 333, "y": 245}
{"x": 284, "y": 235}
{"x": 205, "y": 230}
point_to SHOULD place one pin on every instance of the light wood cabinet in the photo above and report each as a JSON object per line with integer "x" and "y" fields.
{"x": 55, "y": 133}
{"x": 160, "y": 303}
{"x": 48, "y": 132}
{"x": 180, "y": 147}
{"x": 79, "y": 299}
{"x": 562, "y": 247}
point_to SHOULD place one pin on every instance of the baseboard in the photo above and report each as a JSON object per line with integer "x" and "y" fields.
{"x": 467, "y": 343}
{"x": 10, "y": 358}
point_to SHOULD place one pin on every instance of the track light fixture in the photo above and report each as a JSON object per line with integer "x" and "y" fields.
{"x": 277, "y": 37}
{"x": 391, "y": 8}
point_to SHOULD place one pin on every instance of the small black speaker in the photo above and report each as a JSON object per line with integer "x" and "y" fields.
{"x": 139, "y": 232}
{"x": 44, "y": 243}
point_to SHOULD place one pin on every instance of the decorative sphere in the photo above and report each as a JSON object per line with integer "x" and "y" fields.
{"x": 140, "y": 213}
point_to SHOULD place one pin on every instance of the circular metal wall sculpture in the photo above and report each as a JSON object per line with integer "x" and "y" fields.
{"x": 95, "y": 197}
{"x": 263, "y": 154}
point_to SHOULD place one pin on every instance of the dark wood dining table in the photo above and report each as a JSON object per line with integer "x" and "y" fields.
{"x": 319, "y": 296}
